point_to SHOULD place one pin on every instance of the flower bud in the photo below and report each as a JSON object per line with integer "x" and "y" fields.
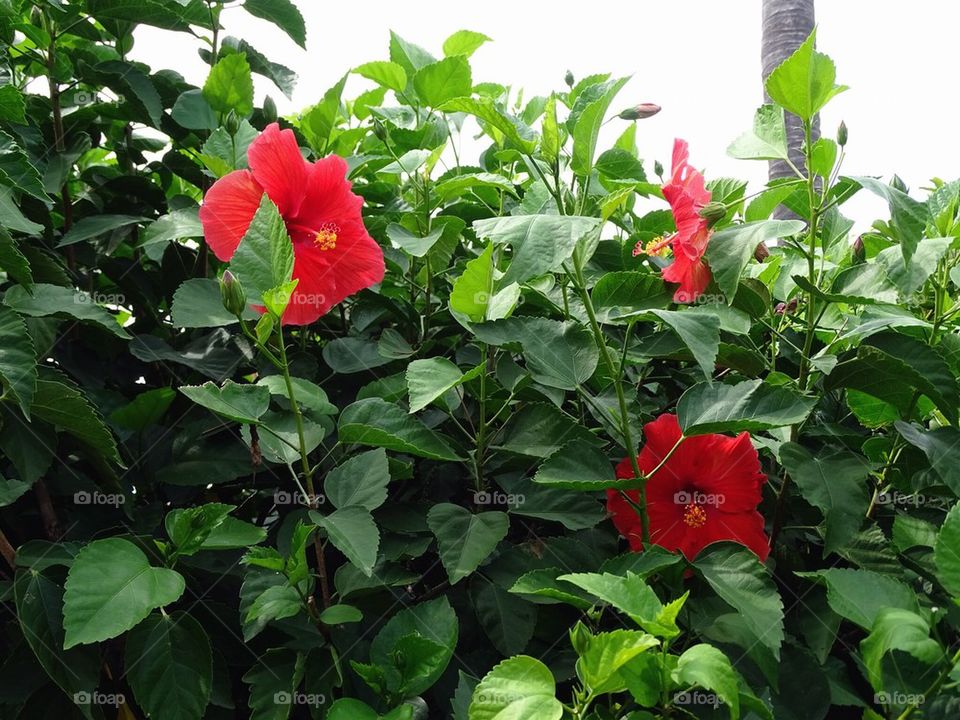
{"x": 897, "y": 183}
{"x": 639, "y": 112}
{"x": 842, "y": 134}
{"x": 580, "y": 638}
{"x": 380, "y": 130}
{"x": 231, "y": 294}
{"x": 568, "y": 79}
{"x": 859, "y": 251}
{"x": 232, "y": 123}
{"x": 760, "y": 252}
{"x": 269, "y": 110}
{"x": 658, "y": 168}
{"x": 713, "y": 212}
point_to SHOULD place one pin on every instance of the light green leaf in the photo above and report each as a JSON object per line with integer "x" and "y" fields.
{"x": 464, "y": 42}
{"x": 908, "y": 217}
{"x": 767, "y": 140}
{"x": 705, "y": 666}
{"x": 340, "y": 615}
{"x": 360, "y": 481}
{"x": 896, "y": 629}
{"x": 606, "y": 654}
{"x": 521, "y": 688}
{"x": 110, "y": 588}
{"x": 465, "y": 540}
{"x": 240, "y": 403}
{"x": 586, "y": 130}
{"x": 835, "y": 483}
{"x": 473, "y": 290}
{"x": 169, "y": 665}
{"x": 700, "y": 332}
{"x": 750, "y": 405}
{"x": 633, "y": 597}
{"x": 429, "y": 379}
{"x": 498, "y": 123}
{"x": 860, "y": 595}
{"x": 731, "y": 248}
{"x": 443, "y": 80}
{"x": 229, "y": 85}
{"x": 264, "y": 258}
{"x": 805, "y": 81}
{"x": 385, "y": 73}
{"x": 410, "y": 243}
{"x": 540, "y": 243}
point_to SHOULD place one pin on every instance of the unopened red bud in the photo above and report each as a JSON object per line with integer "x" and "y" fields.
{"x": 780, "y": 309}
{"x": 760, "y": 252}
{"x": 639, "y": 112}
{"x": 859, "y": 251}
{"x": 713, "y": 212}
{"x": 792, "y": 305}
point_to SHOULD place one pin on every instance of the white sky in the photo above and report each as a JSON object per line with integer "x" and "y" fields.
{"x": 698, "y": 59}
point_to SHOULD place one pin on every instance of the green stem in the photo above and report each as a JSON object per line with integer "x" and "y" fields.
{"x": 612, "y": 369}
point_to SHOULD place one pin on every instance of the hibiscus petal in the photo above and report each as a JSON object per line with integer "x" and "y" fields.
{"x": 745, "y": 528}
{"x": 692, "y": 276}
{"x": 279, "y": 167}
{"x": 228, "y": 207}
{"x": 327, "y": 195}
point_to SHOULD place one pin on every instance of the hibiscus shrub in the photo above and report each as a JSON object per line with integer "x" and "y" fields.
{"x": 424, "y": 402}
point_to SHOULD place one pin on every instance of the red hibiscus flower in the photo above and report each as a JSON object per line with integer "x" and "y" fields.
{"x": 687, "y": 195}
{"x": 708, "y": 490}
{"x": 334, "y": 257}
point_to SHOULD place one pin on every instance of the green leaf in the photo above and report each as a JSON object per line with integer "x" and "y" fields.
{"x": 909, "y": 277}
{"x": 741, "y": 580}
{"x": 428, "y": 631}
{"x": 197, "y": 304}
{"x": 385, "y": 73}
{"x": 750, "y": 405}
{"x": 110, "y": 588}
{"x": 16, "y": 170}
{"x": 12, "y": 260}
{"x": 508, "y": 620}
{"x": 586, "y": 130}
{"x": 895, "y": 629}
{"x": 860, "y": 595}
{"x": 429, "y": 379}
{"x": 606, "y": 654}
{"x": 169, "y": 16}
{"x": 767, "y": 140}
{"x": 628, "y": 293}
{"x": 540, "y": 430}
{"x": 633, "y": 597}
{"x": 835, "y": 483}
{"x": 908, "y": 217}
{"x": 229, "y": 85}
{"x": 11, "y": 491}
{"x": 65, "y": 407}
{"x": 521, "y": 688}
{"x": 560, "y": 355}
{"x": 340, "y": 615}
{"x": 310, "y": 397}
{"x": 240, "y": 403}
{"x": 264, "y": 258}
{"x": 96, "y": 225}
{"x": 731, "y": 249}
{"x": 411, "y": 57}
{"x": 705, "y": 666}
{"x": 13, "y": 107}
{"x": 353, "y": 531}
{"x": 485, "y": 110}
{"x": 700, "y": 332}
{"x": 577, "y": 465}
{"x": 146, "y": 409}
{"x": 189, "y": 528}
{"x": 282, "y": 13}
{"x": 467, "y": 182}
{"x": 18, "y": 363}
{"x": 275, "y": 603}
{"x": 946, "y": 552}
{"x": 465, "y": 540}
{"x": 39, "y": 603}
{"x": 443, "y": 80}
{"x": 193, "y": 112}
{"x": 273, "y": 680}
{"x": 410, "y": 243}
{"x": 473, "y": 290}
{"x": 464, "y": 42}
{"x": 169, "y": 665}
{"x": 539, "y": 243}
{"x": 805, "y": 81}
{"x": 44, "y": 299}
{"x": 360, "y": 481}
{"x": 375, "y": 422}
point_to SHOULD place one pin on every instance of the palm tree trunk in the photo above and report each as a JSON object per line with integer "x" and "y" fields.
{"x": 786, "y": 24}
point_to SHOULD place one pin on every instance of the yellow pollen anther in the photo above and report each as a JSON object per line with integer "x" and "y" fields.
{"x": 326, "y": 236}
{"x": 694, "y": 516}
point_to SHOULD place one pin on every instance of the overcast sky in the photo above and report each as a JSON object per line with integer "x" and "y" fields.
{"x": 698, "y": 59}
